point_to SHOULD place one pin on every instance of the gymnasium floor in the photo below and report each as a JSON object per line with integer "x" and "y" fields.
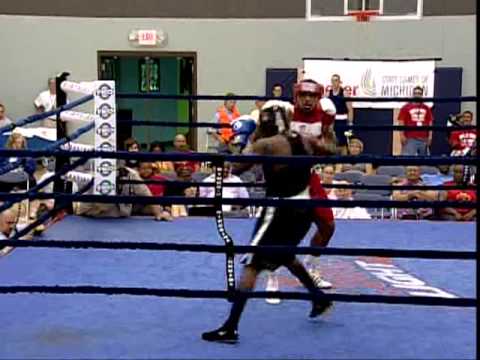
{"x": 99, "y": 326}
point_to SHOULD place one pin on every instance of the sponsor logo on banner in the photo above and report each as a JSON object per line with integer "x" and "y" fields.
{"x": 106, "y": 168}
{"x": 375, "y": 78}
{"x": 104, "y": 92}
{"x": 105, "y": 187}
{"x": 105, "y": 137}
{"x": 105, "y": 130}
{"x": 367, "y": 83}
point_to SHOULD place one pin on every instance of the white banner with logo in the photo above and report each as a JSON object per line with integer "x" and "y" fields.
{"x": 105, "y": 137}
{"x": 375, "y": 79}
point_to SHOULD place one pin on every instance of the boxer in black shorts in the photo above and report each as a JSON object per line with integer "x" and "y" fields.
{"x": 282, "y": 225}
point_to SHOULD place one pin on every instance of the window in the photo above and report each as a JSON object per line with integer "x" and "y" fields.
{"x": 340, "y": 10}
{"x": 149, "y": 79}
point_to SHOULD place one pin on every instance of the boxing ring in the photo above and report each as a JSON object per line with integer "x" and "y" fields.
{"x": 135, "y": 288}
{"x": 96, "y": 326}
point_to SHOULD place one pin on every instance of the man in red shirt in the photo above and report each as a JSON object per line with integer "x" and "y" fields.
{"x": 461, "y": 141}
{"x": 416, "y": 114}
{"x": 458, "y": 214}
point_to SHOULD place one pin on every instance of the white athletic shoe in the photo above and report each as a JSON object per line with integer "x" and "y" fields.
{"x": 272, "y": 285}
{"x": 319, "y": 282}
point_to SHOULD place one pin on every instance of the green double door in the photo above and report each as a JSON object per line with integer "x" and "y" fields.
{"x": 150, "y": 73}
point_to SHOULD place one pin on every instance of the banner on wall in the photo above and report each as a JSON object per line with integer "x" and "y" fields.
{"x": 374, "y": 78}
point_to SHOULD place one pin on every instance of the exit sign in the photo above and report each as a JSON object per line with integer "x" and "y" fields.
{"x": 147, "y": 37}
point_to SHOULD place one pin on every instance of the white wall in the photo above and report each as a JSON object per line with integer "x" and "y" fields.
{"x": 232, "y": 54}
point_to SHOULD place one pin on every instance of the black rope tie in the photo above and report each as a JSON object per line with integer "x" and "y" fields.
{"x": 219, "y": 166}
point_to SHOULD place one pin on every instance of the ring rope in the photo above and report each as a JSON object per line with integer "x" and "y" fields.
{"x": 46, "y": 182}
{"x": 244, "y": 249}
{"x": 181, "y": 200}
{"x": 200, "y": 157}
{"x": 46, "y": 216}
{"x": 327, "y": 186}
{"x": 345, "y": 127}
{"x": 36, "y": 117}
{"x": 220, "y": 294}
{"x": 245, "y": 97}
{"x": 52, "y": 147}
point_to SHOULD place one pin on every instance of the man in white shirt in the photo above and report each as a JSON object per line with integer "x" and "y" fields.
{"x": 4, "y": 120}
{"x": 347, "y": 213}
{"x": 228, "y": 192}
{"x": 47, "y": 101}
{"x": 7, "y": 224}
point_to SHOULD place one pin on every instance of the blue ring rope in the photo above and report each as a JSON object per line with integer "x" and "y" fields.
{"x": 244, "y": 249}
{"x": 36, "y": 117}
{"x": 326, "y": 186}
{"x": 200, "y": 157}
{"x": 46, "y": 182}
{"x": 346, "y": 127}
{"x": 182, "y": 200}
{"x": 52, "y": 147}
{"x": 46, "y": 216}
{"x": 221, "y": 294}
{"x": 250, "y": 97}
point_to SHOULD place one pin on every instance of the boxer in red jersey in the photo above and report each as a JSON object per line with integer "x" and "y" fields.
{"x": 313, "y": 117}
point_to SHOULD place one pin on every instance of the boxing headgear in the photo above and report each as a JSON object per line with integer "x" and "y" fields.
{"x": 242, "y": 128}
{"x": 308, "y": 86}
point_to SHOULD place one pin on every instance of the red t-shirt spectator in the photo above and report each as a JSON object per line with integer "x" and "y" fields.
{"x": 156, "y": 189}
{"x": 462, "y": 139}
{"x": 460, "y": 195}
{"x": 416, "y": 114}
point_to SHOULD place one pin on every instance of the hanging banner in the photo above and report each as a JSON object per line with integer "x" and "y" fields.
{"x": 376, "y": 79}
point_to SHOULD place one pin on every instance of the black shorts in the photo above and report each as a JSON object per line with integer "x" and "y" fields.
{"x": 281, "y": 226}
{"x": 340, "y": 126}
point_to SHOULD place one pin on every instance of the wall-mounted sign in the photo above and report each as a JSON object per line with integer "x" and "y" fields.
{"x": 148, "y": 37}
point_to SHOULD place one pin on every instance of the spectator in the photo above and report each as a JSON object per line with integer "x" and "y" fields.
{"x": 14, "y": 178}
{"x": 160, "y": 166}
{"x": 228, "y": 192}
{"x": 413, "y": 178}
{"x": 8, "y": 225}
{"x": 131, "y": 145}
{"x": 439, "y": 178}
{"x": 99, "y": 210}
{"x": 47, "y": 101}
{"x": 255, "y": 114}
{"x": 4, "y": 120}
{"x": 8, "y": 220}
{"x": 461, "y": 141}
{"x": 416, "y": 114}
{"x": 41, "y": 174}
{"x": 184, "y": 174}
{"x": 327, "y": 174}
{"x": 458, "y": 214}
{"x": 344, "y": 115}
{"x": 347, "y": 213}
{"x": 180, "y": 145}
{"x": 277, "y": 90}
{"x": 145, "y": 170}
{"x": 225, "y": 115}
{"x": 355, "y": 148}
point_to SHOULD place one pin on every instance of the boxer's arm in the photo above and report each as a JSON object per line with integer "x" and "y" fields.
{"x": 257, "y": 148}
{"x": 327, "y": 143}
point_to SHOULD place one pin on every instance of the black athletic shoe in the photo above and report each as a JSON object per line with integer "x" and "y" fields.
{"x": 223, "y": 334}
{"x": 320, "y": 307}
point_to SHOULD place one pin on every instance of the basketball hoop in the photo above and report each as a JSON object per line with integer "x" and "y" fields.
{"x": 363, "y": 15}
